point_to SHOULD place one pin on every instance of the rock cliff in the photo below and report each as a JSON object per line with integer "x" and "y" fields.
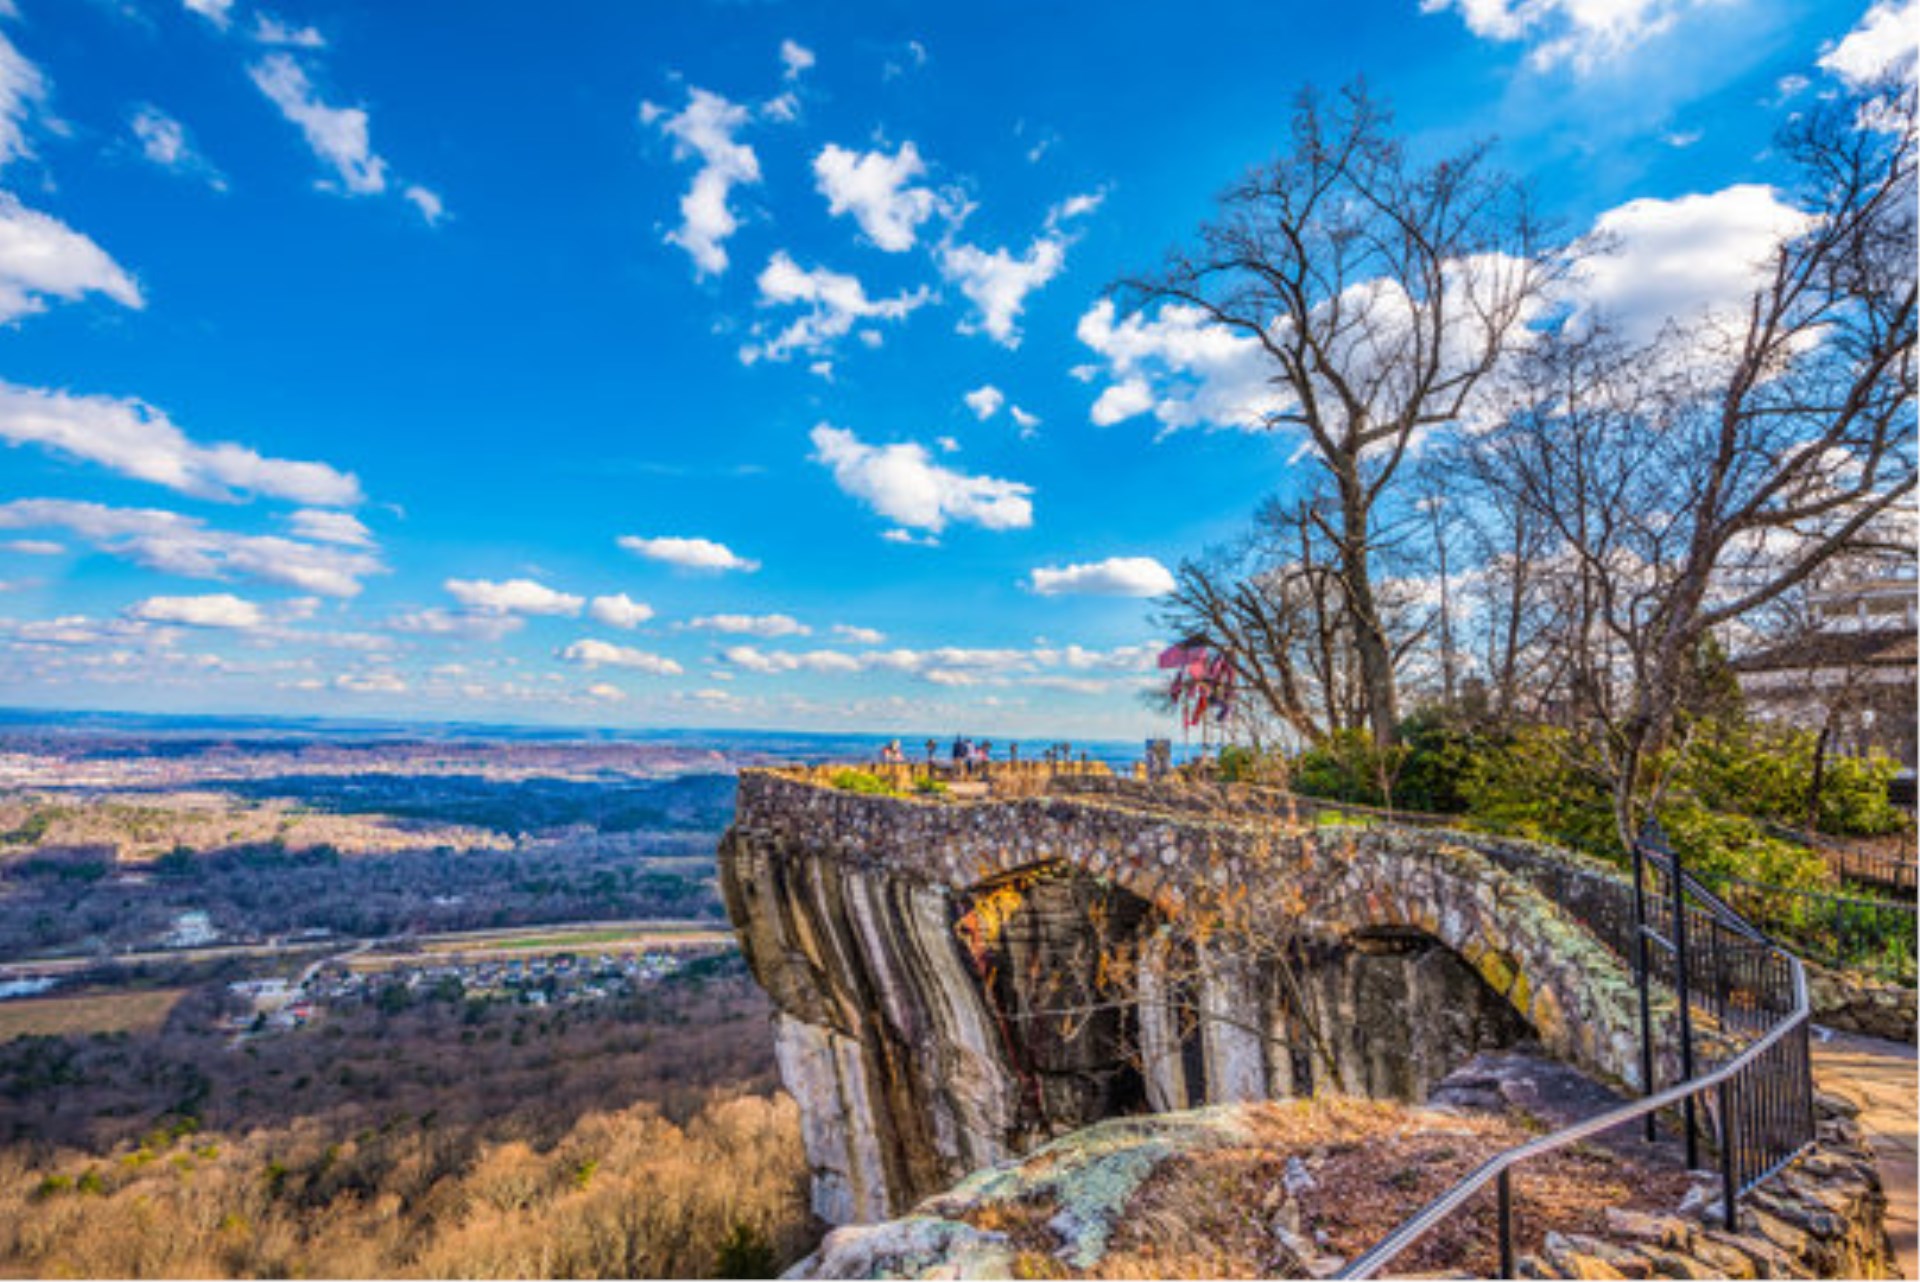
{"x": 960, "y": 983}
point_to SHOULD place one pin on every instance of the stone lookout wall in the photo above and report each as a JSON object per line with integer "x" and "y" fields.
{"x": 959, "y": 982}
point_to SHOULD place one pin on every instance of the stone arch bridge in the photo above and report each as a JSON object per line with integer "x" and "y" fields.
{"x": 960, "y": 981}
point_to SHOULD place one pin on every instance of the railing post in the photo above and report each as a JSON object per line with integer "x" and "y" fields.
{"x": 1504, "y": 1193}
{"x": 1729, "y": 1143}
{"x": 1683, "y": 993}
{"x": 1642, "y": 978}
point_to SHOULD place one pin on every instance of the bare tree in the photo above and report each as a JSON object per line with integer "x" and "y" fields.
{"x": 1692, "y": 483}
{"x": 1383, "y": 292}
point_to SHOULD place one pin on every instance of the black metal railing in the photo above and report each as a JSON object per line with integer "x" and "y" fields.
{"x": 1739, "y": 1029}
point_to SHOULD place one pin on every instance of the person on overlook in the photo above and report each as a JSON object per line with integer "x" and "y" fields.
{"x": 962, "y": 755}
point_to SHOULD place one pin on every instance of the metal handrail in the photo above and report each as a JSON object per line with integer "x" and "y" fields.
{"x": 1497, "y": 1168}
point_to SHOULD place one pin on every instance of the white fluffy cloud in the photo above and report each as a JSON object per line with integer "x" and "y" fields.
{"x": 1179, "y": 367}
{"x": 1881, "y": 46}
{"x": 902, "y": 483}
{"x": 270, "y": 30}
{"x": 431, "y": 207}
{"x": 218, "y": 12}
{"x": 795, "y": 58}
{"x": 858, "y": 635}
{"x": 704, "y": 129}
{"x": 754, "y": 625}
{"x": 953, "y": 666}
{"x": 338, "y": 135}
{"x": 216, "y": 610}
{"x": 513, "y": 596}
{"x": 183, "y": 545}
{"x": 590, "y": 654}
{"x": 688, "y": 554}
{"x": 138, "y": 440}
{"x": 877, "y": 189}
{"x": 1581, "y": 34}
{"x": 370, "y": 683}
{"x": 41, "y": 258}
{"x": 1130, "y": 576}
{"x": 998, "y": 282}
{"x": 832, "y": 300}
{"x": 163, "y": 141}
{"x": 320, "y": 526}
{"x": 620, "y": 611}
{"x": 463, "y": 624}
{"x": 985, "y": 401}
{"x": 1693, "y": 256}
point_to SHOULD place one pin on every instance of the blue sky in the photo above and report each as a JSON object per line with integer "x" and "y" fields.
{"x": 722, "y": 363}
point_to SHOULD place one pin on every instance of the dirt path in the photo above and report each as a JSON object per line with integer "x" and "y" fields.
{"x": 1880, "y": 1077}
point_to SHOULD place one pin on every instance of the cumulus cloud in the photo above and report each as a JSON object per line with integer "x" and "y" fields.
{"x": 512, "y": 596}
{"x": 877, "y": 189}
{"x": 1683, "y": 259}
{"x": 33, "y": 547}
{"x": 796, "y": 58}
{"x": 606, "y": 693}
{"x": 431, "y": 207}
{"x": 590, "y": 654}
{"x": 339, "y": 136}
{"x": 370, "y": 683}
{"x": 620, "y": 611}
{"x": 216, "y": 610}
{"x": 1581, "y": 34}
{"x": 163, "y": 141}
{"x": 1880, "y": 47}
{"x": 1024, "y": 421}
{"x": 320, "y": 526}
{"x": 1130, "y": 576}
{"x": 858, "y": 635}
{"x": 771, "y": 662}
{"x": 902, "y": 483}
{"x": 998, "y": 282}
{"x": 463, "y": 624}
{"x": 952, "y": 666}
{"x": 270, "y": 30}
{"x": 704, "y": 129}
{"x": 688, "y": 554}
{"x": 138, "y": 440}
{"x": 833, "y": 302}
{"x": 756, "y": 625}
{"x": 184, "y": 545}
{"x": 985, "y": 401}
{"x": 218, "y": 12}
{"x": 41, "y": 258}
{"x": 1179, "y": 367}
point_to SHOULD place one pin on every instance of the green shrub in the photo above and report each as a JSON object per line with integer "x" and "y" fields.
{"x": 860, "y": 781}
{"x": 1348, "y": 767}
{"x": 1533, "y": 785}
{"x": 930, "y": 787}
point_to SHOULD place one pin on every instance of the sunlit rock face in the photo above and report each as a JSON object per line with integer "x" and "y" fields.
{"x": 959, "y": 984}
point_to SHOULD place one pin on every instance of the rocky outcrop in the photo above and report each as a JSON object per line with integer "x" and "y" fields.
{"x": 959, "y": 983}
{"x": 1854, "y": 1004}
{"x": 1127, "y": 1198}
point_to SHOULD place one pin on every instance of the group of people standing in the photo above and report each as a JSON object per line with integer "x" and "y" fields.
{"x": 968, "y": 757}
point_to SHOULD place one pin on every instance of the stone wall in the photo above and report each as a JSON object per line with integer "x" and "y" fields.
{"x": 905, "y": 1044}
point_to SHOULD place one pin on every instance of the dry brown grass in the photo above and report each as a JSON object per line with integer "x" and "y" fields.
{"x": 134, "y": 1012}
{"x": 623, "y": 1194}
{"x": 1211, "y": 1214}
